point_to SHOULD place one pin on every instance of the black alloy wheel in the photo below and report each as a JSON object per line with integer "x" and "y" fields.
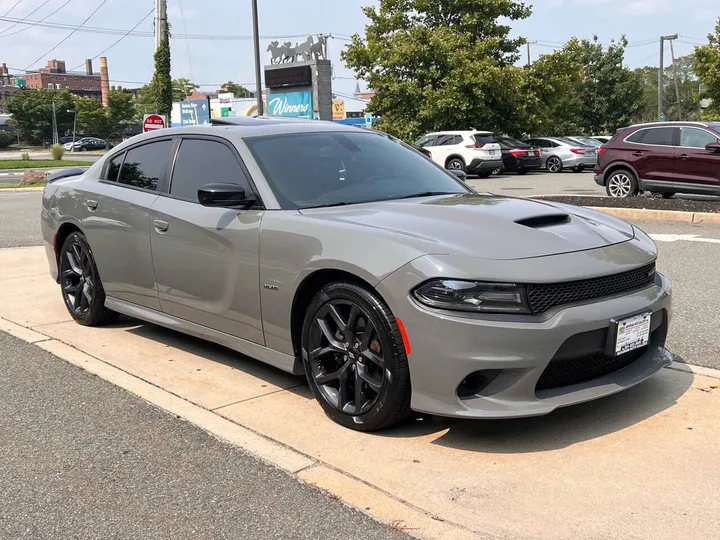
{"x": 80, "y": 283}
{"x": 354, "y": 358}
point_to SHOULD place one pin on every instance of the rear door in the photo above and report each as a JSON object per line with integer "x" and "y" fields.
{"x": 206, "y": 259}
{"x": 694, "y": 164}
{"x": 651, "y": 152}
{"x": 442, "y": 147}
{"x": 117, "y": 221}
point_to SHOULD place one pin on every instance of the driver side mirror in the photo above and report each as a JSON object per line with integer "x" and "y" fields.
{"x": 462, "y": 175}
{"x": 713, "y": 147}
{"x": 224, "y": 196}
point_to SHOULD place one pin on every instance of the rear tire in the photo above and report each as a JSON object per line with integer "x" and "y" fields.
{"x": 667, "y": 195}
{"x": 578, "y": 169}
{"x": 484, "y": 174}
{"x": 554, "y": 164}
{"x": 455, "y": 164}
{"x": 80, "y": 283}
{"x": 621, "y": 184}
{"x": 351, "y": 338}
{"x": 522, "y": 171}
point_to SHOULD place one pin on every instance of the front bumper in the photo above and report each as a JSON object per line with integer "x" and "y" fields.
{"x": 448, "y": 347}
{"x": 483, "y": 165}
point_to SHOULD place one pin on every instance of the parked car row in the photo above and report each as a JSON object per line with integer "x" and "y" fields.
{"x": 85, "y": 143}
{"x": 483, "y": 153}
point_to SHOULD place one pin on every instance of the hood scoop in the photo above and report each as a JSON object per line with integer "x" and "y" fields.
{"x": 545, "y": 220}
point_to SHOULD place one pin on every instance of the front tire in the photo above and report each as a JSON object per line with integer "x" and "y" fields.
{"x": 667, "y": 195}
{"x": 355, "y": 359}
{"x": 621, "y": 184}
{"x": 80, "y": 283}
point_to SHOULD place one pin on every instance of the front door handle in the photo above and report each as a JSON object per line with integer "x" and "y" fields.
{"x": 160, "y": 226}
{"x": 683, "y": 156}
{"x": 638, "y": 154}
{"x": 92, "y": 205}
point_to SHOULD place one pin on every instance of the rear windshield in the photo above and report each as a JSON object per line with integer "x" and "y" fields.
{"x": 307, "y": 170}
{"x": 509, "y": 141}
{"x": 485, "y": 138}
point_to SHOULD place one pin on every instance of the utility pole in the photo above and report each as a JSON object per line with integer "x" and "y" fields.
{"x": 675, "y": 76}
{"x": 160, "y": 21}
{"x": 54, "y": 125}
{"x": 661, "y": 74}
{"x": 256, "y": 40}
{"x": 529, "y": 60}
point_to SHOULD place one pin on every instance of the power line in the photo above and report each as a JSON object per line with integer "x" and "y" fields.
{"x": 119, "y": 40}
{"x": 26, "y": 16}
{"x": 35, "y": 23}
{"x": 69, "y": 35}
{"x": 16, "y": 4}
{"x": 187, "y": 43}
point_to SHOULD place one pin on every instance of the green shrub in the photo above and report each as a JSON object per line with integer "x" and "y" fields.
{"x": 6, "y": 139}
{"x": 25, "y": 156}
{"x": 57, "y": 151}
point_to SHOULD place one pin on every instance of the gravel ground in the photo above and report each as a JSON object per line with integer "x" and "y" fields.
{"x": 84, "y": 459}
{"x": 654, "y": 203}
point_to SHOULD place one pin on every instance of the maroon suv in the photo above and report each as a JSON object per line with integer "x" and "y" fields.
{"x": 661, "y": 157}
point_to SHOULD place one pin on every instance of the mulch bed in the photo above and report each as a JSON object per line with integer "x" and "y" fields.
{"x": 649, "y": 203}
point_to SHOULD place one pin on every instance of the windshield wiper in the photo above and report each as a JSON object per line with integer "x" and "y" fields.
{"x": 426, "y": 194}
{"x": 328, "y": 205}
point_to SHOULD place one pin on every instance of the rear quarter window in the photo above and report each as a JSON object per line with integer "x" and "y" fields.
{"x": 485, "y": 138}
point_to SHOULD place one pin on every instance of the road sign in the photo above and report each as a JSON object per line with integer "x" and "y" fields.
{"x": 194, "y": 112}
{"x": 338, "y": 109}
{"x": 368, "y": 120}
{"x": 151, "y": 122}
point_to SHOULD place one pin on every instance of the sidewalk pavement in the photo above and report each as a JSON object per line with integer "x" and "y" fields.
{"x": 639, "y": 465}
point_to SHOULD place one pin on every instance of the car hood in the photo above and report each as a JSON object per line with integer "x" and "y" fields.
{"x": 481, "y": 225}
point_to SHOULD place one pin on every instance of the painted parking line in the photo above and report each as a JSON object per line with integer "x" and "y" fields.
{"x": 684, "y": 238}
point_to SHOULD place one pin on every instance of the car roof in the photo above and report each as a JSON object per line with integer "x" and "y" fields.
{"x": 463, "y": 132}
{"x": 670, "y": 124}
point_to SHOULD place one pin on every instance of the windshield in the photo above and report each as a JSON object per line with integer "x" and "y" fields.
{"x": 307, "y": 170}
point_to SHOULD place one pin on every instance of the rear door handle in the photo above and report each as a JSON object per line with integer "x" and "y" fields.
{"x": 638, "y": 154}
{"x": 160, "y": 226}
{"x": 683, "y": 156}
{"x": 92, "y": 205}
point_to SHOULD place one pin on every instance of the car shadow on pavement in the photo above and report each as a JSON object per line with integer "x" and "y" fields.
{"x": 560, "y": 429}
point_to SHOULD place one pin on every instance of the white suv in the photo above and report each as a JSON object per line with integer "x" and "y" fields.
{"x": 475, "y": 152}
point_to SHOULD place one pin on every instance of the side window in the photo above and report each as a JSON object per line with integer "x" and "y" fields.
{"x": 696, "y": 138}
{"x": 425, "y": 141}
{"x": 551, "y": 144}
{"x": 145, "y": 164}
{"x": 457, "y": 139}
{"x": 444, "y": 140}
{"x": 201, "y": 162}
{"x": 637, "y": 136}
{"x": 659, "y": 136}
{"x": 114, "y": 167}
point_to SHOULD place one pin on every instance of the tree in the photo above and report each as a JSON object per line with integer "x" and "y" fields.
{"x": 31, "y": 112}
{"x": 121, "y": 111}
{"x": 237, "y": 90}
{"x": 182, "y": 88}
{"x": 91, "y": 117}
{"x": 439, "y": 64}
{"x": 160, "y": 90}
{"x": 706, "y": 63}
{"x": 611, "y": 94}
{"x": 688, "y": 84}
{"x": 553, "y": 88}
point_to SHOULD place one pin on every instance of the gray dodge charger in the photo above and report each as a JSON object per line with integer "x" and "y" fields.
{"x": 347, "y": 256}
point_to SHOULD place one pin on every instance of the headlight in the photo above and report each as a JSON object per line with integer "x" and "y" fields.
{"x": 473, "y": 296}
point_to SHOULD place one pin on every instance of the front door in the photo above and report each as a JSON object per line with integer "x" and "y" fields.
{"x": 206, "y": 259}
{"x": 117, "y": 222}
{"x": 694, "y": 164}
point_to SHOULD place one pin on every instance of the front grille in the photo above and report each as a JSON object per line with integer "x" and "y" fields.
{"x": 560, "y": 373}
{"x": 543, "y": 296}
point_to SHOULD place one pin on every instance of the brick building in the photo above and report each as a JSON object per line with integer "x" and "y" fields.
{"x": 54, "y": 75}
{"x": 7, "y": 86}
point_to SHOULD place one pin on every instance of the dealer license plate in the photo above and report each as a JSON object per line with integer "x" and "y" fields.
{"x": 632, "y": 333}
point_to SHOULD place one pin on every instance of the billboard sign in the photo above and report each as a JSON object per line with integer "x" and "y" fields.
{"x": 194, "y": 112}
{"x": 297, "y": 104}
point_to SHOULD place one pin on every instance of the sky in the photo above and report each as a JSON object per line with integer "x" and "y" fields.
{"x": 211, "y": 62}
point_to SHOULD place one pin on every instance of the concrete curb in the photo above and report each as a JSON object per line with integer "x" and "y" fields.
{"x": 660, "y": 215}
{"x": 21, "y": 189}
{"x": 697, "y": 370}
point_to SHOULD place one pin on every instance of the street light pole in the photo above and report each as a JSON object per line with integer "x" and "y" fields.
{"x": 74, "y": 126}
{"x": 661, "y": 74}
{"x": 256, "y": 40}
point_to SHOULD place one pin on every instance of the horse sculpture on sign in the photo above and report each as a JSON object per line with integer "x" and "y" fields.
{"x": 307, "y": 50}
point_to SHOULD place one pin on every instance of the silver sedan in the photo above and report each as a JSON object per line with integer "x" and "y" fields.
{"x": 348, "y": 257}
{"x": 559, "y": 154}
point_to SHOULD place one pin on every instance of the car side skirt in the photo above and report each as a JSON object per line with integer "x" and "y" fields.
{"x": 253, "y": 350}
